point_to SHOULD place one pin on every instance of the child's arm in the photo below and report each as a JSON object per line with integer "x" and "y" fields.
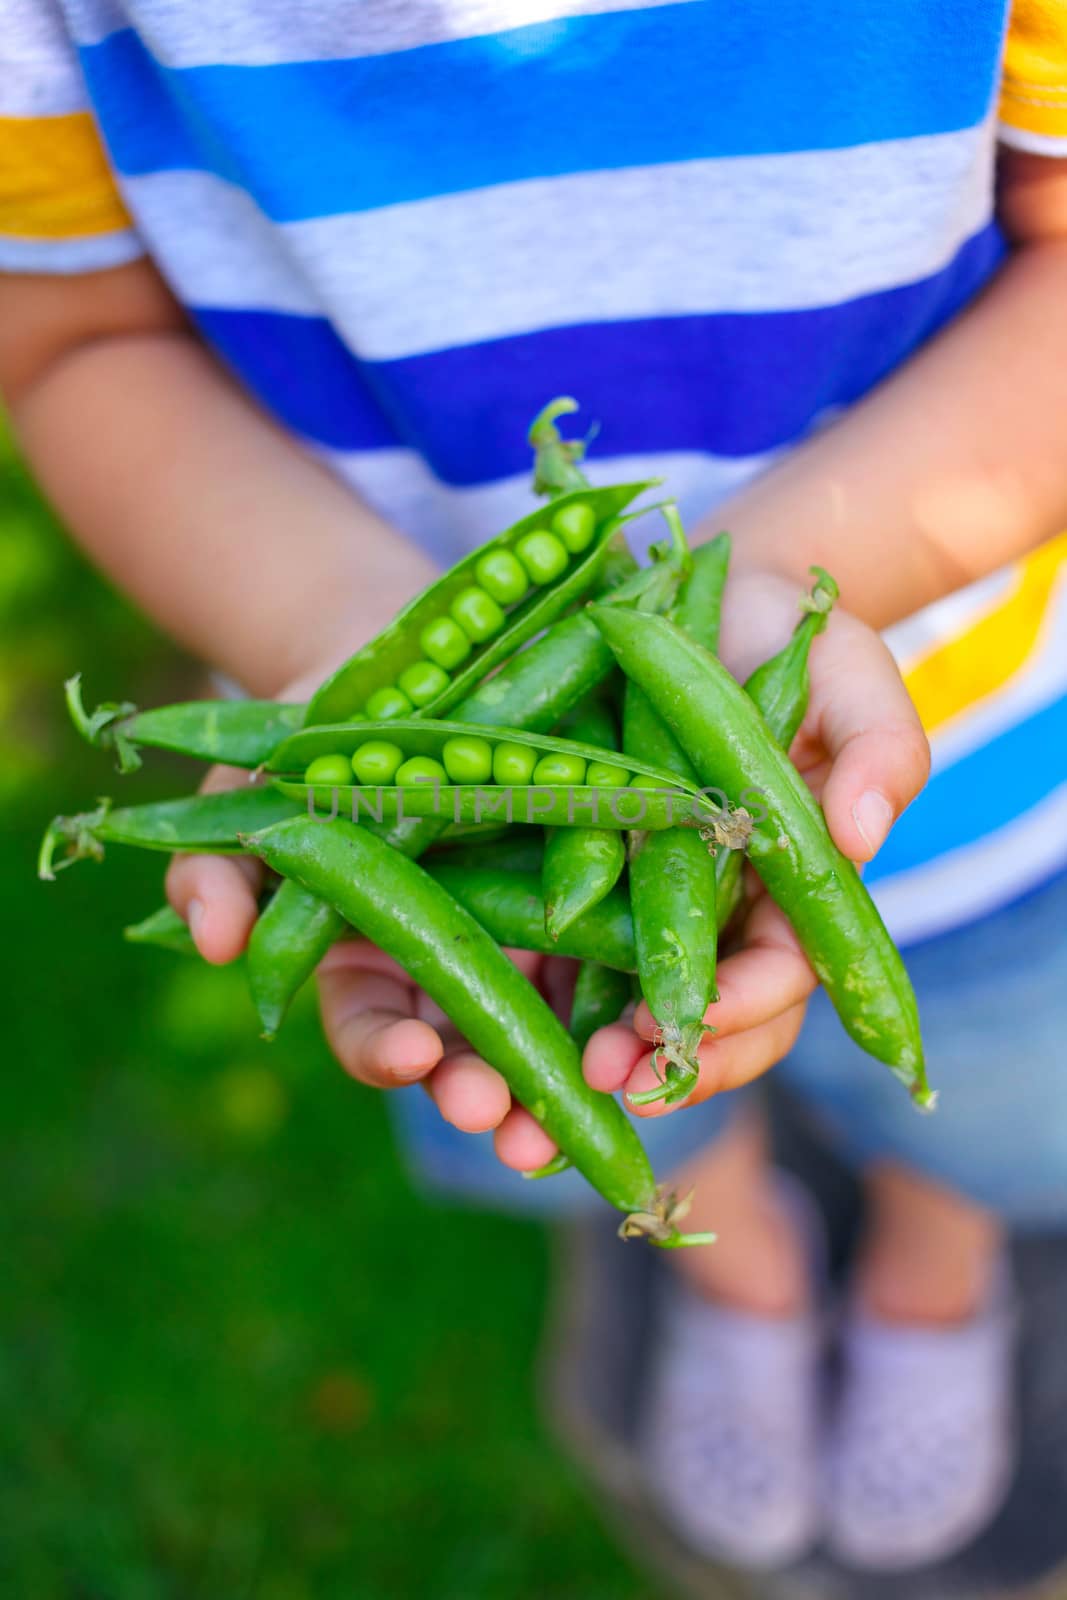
{"x": 953, "y": 467}
{"x": 958, "y": 463}
{"x": 218, "y": 524}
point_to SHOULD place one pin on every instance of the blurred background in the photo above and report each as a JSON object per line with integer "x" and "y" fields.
{"x": 240, "y": 1357}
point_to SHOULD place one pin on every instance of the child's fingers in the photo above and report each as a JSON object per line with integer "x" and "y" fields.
{"x": 521, "y": 1143}
{"x": 767, "y": 976}
{"x": 872, "y": 733}
{"x": 611, "y": 1056}
{"x": 469, "y": 1093}
{"x": 359, "y": 955}
{"x": 724, "y": 1063}
{"x": 368, "y": 1021}
{"x": 216, "y": 896}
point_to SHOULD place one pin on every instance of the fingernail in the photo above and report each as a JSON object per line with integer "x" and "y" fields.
{"x": 194, "y": 915}
{"x": 873, "y": 816}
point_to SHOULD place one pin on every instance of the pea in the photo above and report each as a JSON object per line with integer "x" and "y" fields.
{"x": 513, "y": 764}
{"x": 543, "y": 556}
{"x": 423, "y": 681}
{"x": 602, "y": 775}
{"x": 501, "y": 575}
{"x": 641, "y": 780}
{"x": 384, "y": 704}
{"x": 576, "y": 525}
{"x": 421, "y": 769}
{"x": 377, "y": 761}
{"x": 444, "y": 642}
{"x": 468, "y": 760}
{"x": 560, "y": 769}
{"x": 477, "y": 614}
{"x": 330, "y": 771}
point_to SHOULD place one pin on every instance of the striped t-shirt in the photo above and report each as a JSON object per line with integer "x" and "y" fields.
{"x": 406, "y": 223}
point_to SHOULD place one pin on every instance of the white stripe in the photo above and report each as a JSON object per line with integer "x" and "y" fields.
{"x": 970, "y": 882}
{"x": 1038, "y": 144}
{"x": 447, "y": 522}
{"x": 39, "y": 73}
{"x": 69, "y": 256}
{"x": 747, "y": 234}
{"x": 239, "y": 33}
{"x": 215, "y": 247}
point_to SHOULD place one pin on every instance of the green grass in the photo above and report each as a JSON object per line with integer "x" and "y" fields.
{"x": 241, "y": 1358}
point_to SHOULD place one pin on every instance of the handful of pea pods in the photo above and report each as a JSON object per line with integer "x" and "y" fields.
{"x": 549, "y": 728}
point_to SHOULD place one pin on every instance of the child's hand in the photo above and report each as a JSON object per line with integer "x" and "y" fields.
{"x": 384, "y": 1031}
{"x": 863, "y": 751}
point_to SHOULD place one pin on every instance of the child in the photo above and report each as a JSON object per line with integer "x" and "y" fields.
{"x": 284, "y": 285}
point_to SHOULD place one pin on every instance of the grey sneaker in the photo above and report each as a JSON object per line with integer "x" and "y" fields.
{"x": 922, "y": 1451}
{"x": 730, "y": 1431}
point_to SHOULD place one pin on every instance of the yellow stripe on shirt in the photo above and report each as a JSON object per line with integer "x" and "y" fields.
{"x": 55, "y": 182}
{"x": 955, "y": 676}
{"x": 1034, "y": 87}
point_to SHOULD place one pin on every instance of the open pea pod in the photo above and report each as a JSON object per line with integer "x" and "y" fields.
{"x": 513, "y": 775}
{"x": 380, "y": 663}
{"x": 536, "y": 805}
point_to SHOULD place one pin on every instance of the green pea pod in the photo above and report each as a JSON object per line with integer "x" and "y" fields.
{"x": 650, "y": 788}
{"x": 445, "y": 951}
{"x": 672, "y": 892}
{"x": 582, "y": 865}
{"x": 781, "y": 686}
{"x": 534, "y": 805}
{"x": 698, "y": 608}
{"x": 821, "y": 892}
{"x": 511, "y": 907}
{"x": 290, "y": 937}
{"x": 600, "y": 995}
{"x": 240, "y": 733}
{"x": 165, "y": 929}
{"x": 673, "y": 879}
{"x": 379, "y": 664}
{"x": 779, "y": 689}
{"x": 198, "y": 822}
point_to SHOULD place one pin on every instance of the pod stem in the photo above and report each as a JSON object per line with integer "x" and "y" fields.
{"x": 556, "y": 469}
{"x": 101, "y": 727}
{"x": 677, "y": 547}
{"x": 78, "y": 834}
{"x": 659, "y": 1224}
{"x": 820, "y": 602}
{"x": 677, "y": 1049}
{"x": 672, "y": 562}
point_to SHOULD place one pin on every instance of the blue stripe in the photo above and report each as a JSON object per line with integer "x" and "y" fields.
{"x": 728, "y": 385}
{"x": 669, "y": 83}
{"x": 980, "y": 793}
{"x": 301, "y": 371}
